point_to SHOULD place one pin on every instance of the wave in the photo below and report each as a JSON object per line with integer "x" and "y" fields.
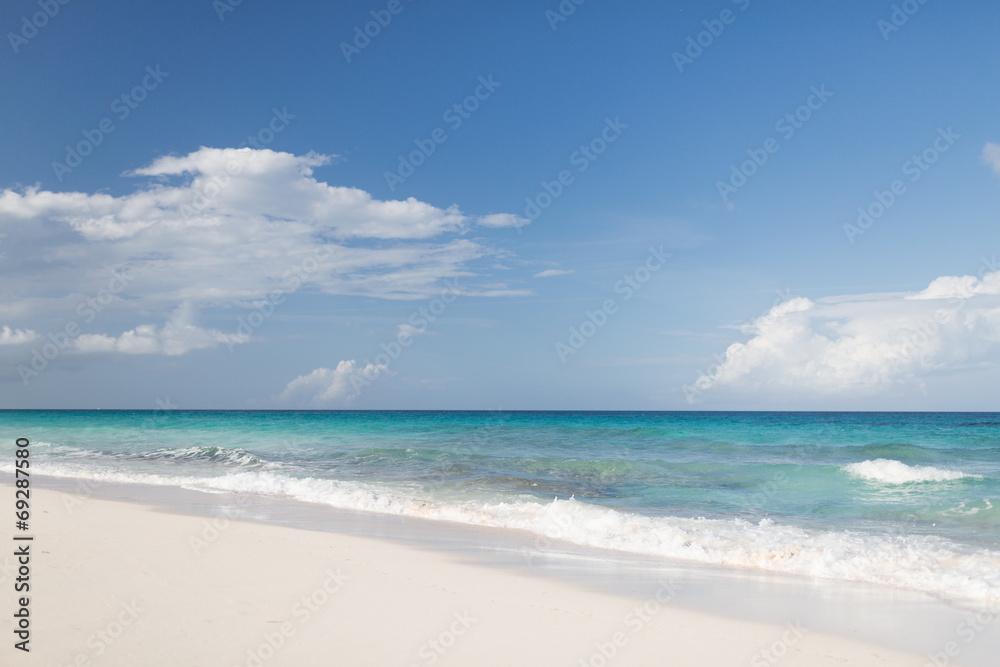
{"x": 935, "y": 565}
{"x": 227, "y": 456}
{"x": 224, "y": 455}
{"x": 888, "y": 471}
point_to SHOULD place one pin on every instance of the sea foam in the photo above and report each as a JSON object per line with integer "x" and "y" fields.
{"x": 925, "y": 563}
{"x": 887, "y": 471}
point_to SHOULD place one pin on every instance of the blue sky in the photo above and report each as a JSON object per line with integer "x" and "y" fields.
{"x": 822, "y": 317}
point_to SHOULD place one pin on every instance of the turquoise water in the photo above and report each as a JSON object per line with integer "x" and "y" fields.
{"x": 902, "y": 499}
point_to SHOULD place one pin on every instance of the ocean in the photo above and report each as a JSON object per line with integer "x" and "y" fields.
{"x": 908, "y": 500}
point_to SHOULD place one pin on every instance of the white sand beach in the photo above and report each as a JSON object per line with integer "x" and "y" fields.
{"x": 118, "y": 583}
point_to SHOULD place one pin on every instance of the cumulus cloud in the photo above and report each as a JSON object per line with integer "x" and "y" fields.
{"x": 220, "y": 228}
{"x": 864, "y": 344}
{"x": 281, "y": 186}
{"x": 991, "y": 156}
{"x": 328, "y": 386}
{"x": 548, "y": 273}
{"x": 10, "y": 336}
{"x": 179, "y": 335}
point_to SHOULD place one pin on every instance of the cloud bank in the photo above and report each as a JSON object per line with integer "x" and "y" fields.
{"x": 864, "y": 344}
{"x": 217, "y": 228}
{"x": 329, "y": 386}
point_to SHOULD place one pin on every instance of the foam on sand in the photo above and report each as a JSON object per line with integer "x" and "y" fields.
{"x": 925, "y": 563}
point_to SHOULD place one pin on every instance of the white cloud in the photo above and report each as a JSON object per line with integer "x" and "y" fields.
{"x": 960, "y": 287}
{"x": 281, "y": 186}
{"x": 326, "y": 386}
{"x": 865, "y": 344}
{"x": 178, "y": 336}
{"x": 409, "y": 331}
{"x": 991, "y": 156}
{"x": 502, "y": 220}
{"x": 10, "y": 336}
{"x": 548, "y": 273}
{"x": 218, "y": 228}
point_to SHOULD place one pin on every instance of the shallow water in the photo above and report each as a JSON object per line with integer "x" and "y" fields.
{"x": 910, "y": 500}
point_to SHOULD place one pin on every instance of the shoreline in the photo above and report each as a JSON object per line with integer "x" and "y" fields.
{"x": 746, "y": 607}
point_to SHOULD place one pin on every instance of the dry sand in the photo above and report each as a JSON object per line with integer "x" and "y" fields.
{"x": 115, "y": 583}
